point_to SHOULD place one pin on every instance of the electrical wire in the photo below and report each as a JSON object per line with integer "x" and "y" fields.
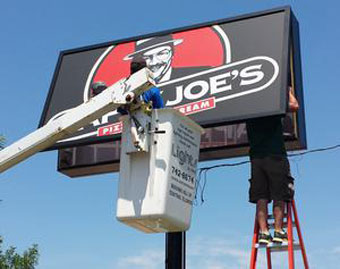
{"x": 313, "y": 151}
{"x": 289, "y": 155}
{"x": 202, "y": 172}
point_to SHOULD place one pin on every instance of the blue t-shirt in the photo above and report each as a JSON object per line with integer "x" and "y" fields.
{"x": 153, "y": 95}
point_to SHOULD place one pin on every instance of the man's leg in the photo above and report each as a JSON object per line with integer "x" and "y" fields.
{"x": 281, "y": 191}
{"x": 278, "y": 210}
{"x": 259, "y": 194}
{"x": 262, "y": 214}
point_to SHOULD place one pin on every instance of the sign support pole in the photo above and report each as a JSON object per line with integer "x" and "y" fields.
{"x": 175, "y": 250}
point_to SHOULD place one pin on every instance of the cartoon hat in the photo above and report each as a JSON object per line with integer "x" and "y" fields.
{"x": 150, "y": 43}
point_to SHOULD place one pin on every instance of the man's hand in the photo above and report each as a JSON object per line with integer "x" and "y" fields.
{"x": 293, "y": 104}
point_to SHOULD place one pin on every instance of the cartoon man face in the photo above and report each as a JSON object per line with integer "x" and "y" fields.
{"x": 157, "y": 53}
{"x": 158, "y": 60}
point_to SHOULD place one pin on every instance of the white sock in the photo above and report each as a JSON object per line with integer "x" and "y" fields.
{"x": 280, "y": 231}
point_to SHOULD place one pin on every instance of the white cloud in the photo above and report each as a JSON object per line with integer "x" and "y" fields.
{"x": 205, "y": 253}
{"x": 214, "y": 246}
{"x": 336, "y": 250}
{"x": 202, "y": 253}
{"x": 148, "y": 259}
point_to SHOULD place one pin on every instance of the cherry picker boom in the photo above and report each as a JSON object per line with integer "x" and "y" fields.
{"x": 73, "y": 119}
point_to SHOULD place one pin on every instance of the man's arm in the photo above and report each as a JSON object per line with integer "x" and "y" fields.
{"x": 154, "y": 95}
{"x": 293, "y": 104}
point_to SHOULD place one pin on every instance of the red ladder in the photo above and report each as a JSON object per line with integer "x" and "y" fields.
{"x": 291, "y": 245}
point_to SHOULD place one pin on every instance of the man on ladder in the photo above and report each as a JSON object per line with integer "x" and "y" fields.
{"x": 270, "y": 172}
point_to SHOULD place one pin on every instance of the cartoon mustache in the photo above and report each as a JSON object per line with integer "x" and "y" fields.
{"x": 155, "y": 67}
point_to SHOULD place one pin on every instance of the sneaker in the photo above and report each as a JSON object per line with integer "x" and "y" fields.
{"x": 280, "y": 236}
{"x": 265, "y": 238}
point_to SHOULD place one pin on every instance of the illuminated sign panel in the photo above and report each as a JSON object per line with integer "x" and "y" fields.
{"x": 217, "y": 73}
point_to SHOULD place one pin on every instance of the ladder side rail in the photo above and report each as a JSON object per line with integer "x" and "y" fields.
{"x": 290, "y": 236}
{"x": 254, "y": 250}
{"x": 269, "y": 258}
{"x": 302, "y": 245}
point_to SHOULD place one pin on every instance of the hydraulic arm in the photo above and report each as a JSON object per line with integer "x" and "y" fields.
{"x": 73, "y": 119}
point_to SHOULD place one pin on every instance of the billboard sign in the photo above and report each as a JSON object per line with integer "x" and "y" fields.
{"x": 218, "y": 73}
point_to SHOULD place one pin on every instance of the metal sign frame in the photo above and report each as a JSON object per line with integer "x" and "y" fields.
{"x": 291, "y": 71}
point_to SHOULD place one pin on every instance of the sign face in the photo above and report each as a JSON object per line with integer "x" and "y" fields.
{"x": 217, "y": 73}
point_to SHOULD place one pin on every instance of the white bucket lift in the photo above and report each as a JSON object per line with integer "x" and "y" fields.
{"x": 157, "y": 181}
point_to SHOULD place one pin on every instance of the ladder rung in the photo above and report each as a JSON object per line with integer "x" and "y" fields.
{"x": 284, "y": 225}
{"x": 271, "y": 216}
{"x": 276, "y": 247}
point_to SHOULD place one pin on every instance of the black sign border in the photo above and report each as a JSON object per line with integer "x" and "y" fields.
{"x": 290, "y": 30}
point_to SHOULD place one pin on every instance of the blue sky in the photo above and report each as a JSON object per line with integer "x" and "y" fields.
{"x": 73, "y": 221}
